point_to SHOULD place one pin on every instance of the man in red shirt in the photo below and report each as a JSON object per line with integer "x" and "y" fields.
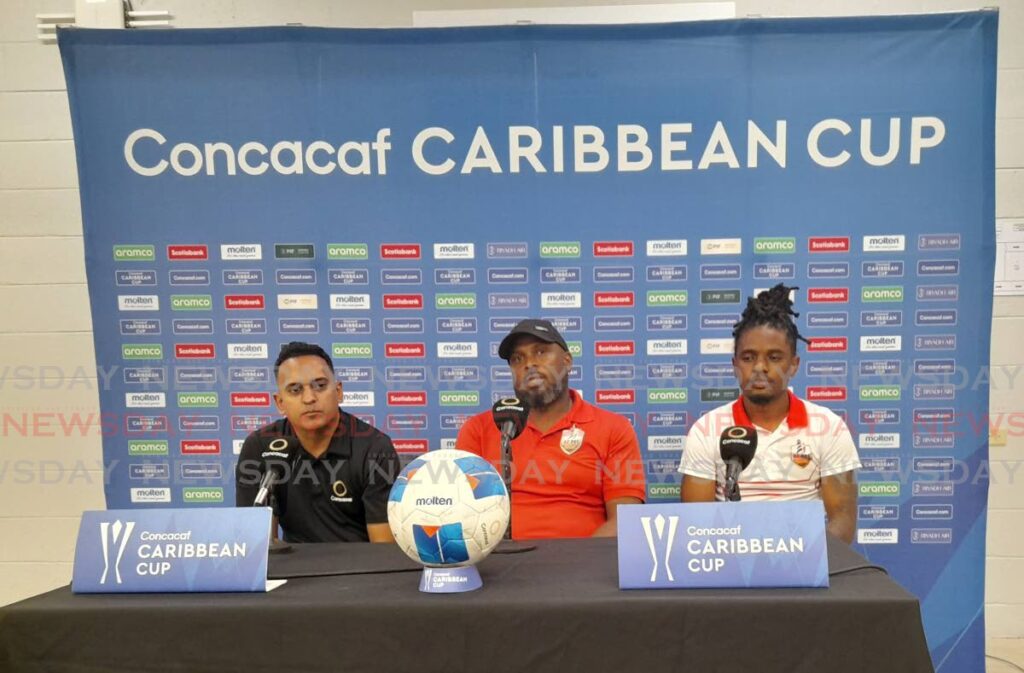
{"x": 574, "y": 463}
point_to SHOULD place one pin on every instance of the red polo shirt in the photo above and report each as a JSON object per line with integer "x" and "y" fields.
{"x": 562, "y": 478}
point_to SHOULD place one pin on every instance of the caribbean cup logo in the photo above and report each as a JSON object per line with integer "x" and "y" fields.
{"x": 114, "y": 536}
{"x": 660, "y": 540}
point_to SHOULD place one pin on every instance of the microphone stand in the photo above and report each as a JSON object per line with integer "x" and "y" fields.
{"x": 277, "y": 546}
{"x": 508, "y": 545}
{"x": 269, "y": 482}
{"x": 732, "y": 484}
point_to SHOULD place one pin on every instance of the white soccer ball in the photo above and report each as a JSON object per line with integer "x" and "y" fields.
{"x": 448, "y": 508}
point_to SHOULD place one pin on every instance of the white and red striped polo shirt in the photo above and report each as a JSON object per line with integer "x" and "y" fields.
{"x": 811, "y": 443}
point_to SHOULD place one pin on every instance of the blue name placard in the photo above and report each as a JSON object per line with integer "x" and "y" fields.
{"x": 716, "y": 545}
{"x": 172, "y": 550}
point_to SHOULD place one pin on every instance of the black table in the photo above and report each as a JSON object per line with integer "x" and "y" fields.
{"x": 557, "y": 608}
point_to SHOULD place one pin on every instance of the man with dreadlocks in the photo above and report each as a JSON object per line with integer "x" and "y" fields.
{"x": 804, "y": 451}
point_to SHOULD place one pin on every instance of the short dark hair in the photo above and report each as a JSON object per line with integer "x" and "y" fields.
{"x": 772, "y": 308}
{"x": 294, "y": 349}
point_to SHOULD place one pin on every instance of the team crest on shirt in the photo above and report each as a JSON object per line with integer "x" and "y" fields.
{"x": 572, "y": 440}
{"x": 801, "y": 454}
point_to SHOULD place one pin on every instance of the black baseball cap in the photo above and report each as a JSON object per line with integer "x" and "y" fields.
{"x": 541, "y": 329}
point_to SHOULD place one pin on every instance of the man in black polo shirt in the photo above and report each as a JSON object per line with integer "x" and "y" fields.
{"x": 344, "y": 468}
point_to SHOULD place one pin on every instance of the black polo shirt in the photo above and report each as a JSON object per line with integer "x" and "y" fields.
{"x": 330, "y": 498}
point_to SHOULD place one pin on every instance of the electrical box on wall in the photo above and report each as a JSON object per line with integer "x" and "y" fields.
{"x": 99, "y": 14}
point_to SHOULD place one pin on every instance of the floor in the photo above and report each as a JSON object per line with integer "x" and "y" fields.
{"x": 1010, "y": 649}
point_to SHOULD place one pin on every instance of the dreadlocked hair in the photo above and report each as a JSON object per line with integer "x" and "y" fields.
{"x": 772, "y": 308}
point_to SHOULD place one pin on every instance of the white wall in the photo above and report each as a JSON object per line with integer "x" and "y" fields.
{"x": 47, "y": 366}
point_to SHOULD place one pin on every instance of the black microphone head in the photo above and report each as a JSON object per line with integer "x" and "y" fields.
{"x": 739, "y": 442}
{"x": 279, "y": 452}
{"x": 511, "y": 409}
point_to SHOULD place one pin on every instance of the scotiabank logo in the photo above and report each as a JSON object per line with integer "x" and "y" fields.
{"x": 187, "y": 252}
{"x": 194, "y": 351}
{"x": 201, "y": 446}
{"x": 624, "y": 396}
{"x": 827, "y": 345}
{"x": 250, "y": 399}
{"x": 613, "y": 249}
{"x": 828, "y": 244}
{"x": 415, "y": 350}
{"x": 614, "y": 299}
{"x": 614, "y": 348}
{"x": 826, "y": 393}
{"x": 828, "y": 295}
{"x": 410, "y": 445}
{"x": 407, "y": 398}
{"x": 400, "y": 251}
{"x": 252, "y": 302}
{"x": 399, "y": 301}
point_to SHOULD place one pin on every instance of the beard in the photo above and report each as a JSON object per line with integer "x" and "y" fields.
{"x": 544, "y": 397}
{"x": 764, "y": 397}
{"x": 759, "y": 399}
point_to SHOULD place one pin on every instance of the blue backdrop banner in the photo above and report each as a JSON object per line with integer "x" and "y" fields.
{"x": 404, "y": 196}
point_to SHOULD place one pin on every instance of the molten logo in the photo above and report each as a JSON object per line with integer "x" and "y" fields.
{"x": 434, "y": 500}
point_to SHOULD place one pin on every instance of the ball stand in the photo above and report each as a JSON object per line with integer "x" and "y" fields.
{"x": 450, "y": 580}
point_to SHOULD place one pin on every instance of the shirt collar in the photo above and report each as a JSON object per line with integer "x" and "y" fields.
{"x": 795, "y": 418}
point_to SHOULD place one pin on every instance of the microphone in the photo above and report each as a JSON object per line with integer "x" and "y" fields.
{"x": 510, "y": 416}
{"x": 737, "y": 447}
{"x": 284, "y": 450}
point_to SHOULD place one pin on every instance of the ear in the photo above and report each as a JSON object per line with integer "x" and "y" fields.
{"x": 279, "y": 402}
{"x": 794, "y": 366}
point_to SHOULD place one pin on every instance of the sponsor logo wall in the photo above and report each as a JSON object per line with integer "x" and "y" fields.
{"x": 407, "y": 239}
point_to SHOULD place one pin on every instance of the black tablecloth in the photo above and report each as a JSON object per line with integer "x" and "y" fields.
{"x": 557, "y": 608}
